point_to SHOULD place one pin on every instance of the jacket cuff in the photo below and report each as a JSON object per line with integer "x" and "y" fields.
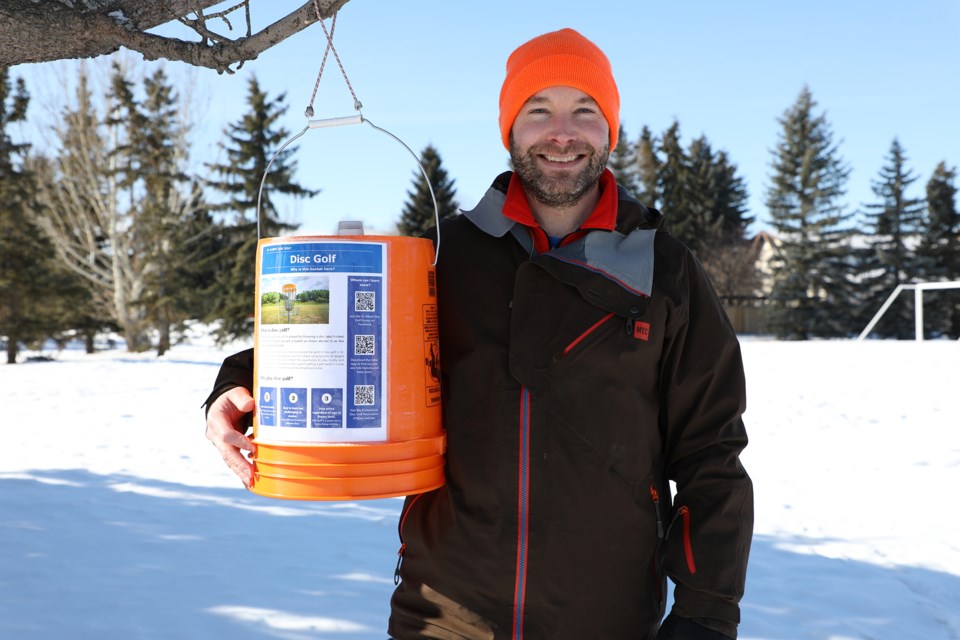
{"x": 719, "y": 615}
{"x": 236, "y": 371}
{"x": 679, "y": 628}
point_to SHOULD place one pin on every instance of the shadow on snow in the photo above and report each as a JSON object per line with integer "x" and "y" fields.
{"x": 90, "y": 556}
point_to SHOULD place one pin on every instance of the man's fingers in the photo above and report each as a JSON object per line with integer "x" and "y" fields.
{"x": 241, "y": 400}
{"x": 229, "y": 443}
{"x": 238, "y": 464}
{"x": 237, "y": 440}
{"x": 225, "y": 423}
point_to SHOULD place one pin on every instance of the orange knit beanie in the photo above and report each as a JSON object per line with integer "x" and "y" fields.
{"x": 558, "y": 58}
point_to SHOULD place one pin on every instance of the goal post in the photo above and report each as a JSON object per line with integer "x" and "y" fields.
{"x": 918, "y": 289}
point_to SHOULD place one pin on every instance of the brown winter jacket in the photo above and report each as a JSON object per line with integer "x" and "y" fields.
{"x": 577, "y": 384}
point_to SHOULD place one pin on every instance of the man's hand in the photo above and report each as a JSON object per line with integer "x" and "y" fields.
{"x": 225, "y": 427}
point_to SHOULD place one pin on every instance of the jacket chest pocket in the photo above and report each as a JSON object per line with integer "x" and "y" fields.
{"x": 554, "y": 330}
{"x": 593, "y": 373}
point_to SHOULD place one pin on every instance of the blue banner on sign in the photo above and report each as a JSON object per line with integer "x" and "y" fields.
{"x": 293, "y": 407}
{"x": 326, "y": 408}
{"x": 321, "y": 257}
{"x": 267, "y": 408}
{"x": 364, "y": 351}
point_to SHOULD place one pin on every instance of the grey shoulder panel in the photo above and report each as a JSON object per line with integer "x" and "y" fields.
{"x": 627, "y": 259}
{"x": 488, "y": 214}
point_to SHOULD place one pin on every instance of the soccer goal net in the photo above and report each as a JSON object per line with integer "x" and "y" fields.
{"x": 918, "y": 289}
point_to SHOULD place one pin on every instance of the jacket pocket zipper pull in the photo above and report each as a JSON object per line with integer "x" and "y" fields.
{"x": 396, "y": 572}
{"x": 655, "y": 496}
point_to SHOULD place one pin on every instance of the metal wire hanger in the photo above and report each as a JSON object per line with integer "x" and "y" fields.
{"x": 340, "y": 121}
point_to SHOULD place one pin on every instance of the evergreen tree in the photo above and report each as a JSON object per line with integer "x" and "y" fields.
{"x": 731, "y": 198}
{"x": 623, "y": 163}
{"x": 37, "y": 300}
{"x": 893, "y": 226}
{"x": 20, "y": 252}
{"x": 170, "y": 209}
{"x": 673, "y": 183}
{"x": 202, "y": 241}
{"x": 251, "y": 144}
{"x": 703, "y": 197}
{"x": 812, "y": 292}
{"x": 116, "y": 198}
{"x": 89, "y": 205}
{"x": 702, "y": 224}
{"x": 648, "y": 169}
{"x": 940, "y": 250}
{"x": 418, "y": 213}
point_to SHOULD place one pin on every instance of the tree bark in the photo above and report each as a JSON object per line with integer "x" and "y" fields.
{"x": 32, "y": 31}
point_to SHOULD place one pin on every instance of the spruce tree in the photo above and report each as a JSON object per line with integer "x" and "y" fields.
{"x": 703, "y": 197}
{"x": 155, "y": 150}
{"x": 37, "y": 299}
{"x": 20, "y": 250}
{"x": 419, "y": 214}
{"x": 623, "y": 163}
{"x": 250, "y": 145}
{"x": 117, "y": 198}
{"x": 893, "y": 227}
{"x": 673, "y": 183}
{"x": 648, "y": 169}
{"x": 89, "y": 206}
{"x": 702, "y": 224}
{"x": 731, "y": 198}
{"x": 717, "y": 222}
{"x": 812, "y": 292}
{"x": 149, "y": 166}
{"x": 940, "y": 249}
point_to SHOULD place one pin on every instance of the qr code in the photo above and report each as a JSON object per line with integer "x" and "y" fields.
{"x": 363, "y": 345}
{"x": 365, "y": 301}
{"x": 363, "y": 394}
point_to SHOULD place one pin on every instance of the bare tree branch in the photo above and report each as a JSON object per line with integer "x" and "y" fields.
{"x": 32, "y": 31}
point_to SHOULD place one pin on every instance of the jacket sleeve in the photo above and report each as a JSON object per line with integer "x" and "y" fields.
{"x": 236, "y": 371}
{"x": 704, "y": 395}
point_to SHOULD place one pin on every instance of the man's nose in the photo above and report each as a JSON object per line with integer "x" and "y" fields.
{"x": 562, "y": 129}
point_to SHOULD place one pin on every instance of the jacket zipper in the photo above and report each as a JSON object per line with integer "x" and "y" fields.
{"x": 661, "y": 534}
{"x": 586, "y": 333}
{"x": 403, "y": 546}
{"x": 523, "y": 512}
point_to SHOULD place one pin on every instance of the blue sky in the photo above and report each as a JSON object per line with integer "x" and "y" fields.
{"x": 430, "y": 72}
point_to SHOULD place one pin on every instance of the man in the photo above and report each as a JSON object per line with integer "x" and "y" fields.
{"x": 586, "y": 363}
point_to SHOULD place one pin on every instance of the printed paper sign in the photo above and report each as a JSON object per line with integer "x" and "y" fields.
{"x": 322, "y": 321}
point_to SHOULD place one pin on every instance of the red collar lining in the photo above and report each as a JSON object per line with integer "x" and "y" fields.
{"x": 604, "y": 215}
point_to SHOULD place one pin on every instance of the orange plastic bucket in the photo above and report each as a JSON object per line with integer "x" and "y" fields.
{"x": 346, "y": 368}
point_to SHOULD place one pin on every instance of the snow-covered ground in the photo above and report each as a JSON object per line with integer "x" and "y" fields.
{"x": 119, "y": 520}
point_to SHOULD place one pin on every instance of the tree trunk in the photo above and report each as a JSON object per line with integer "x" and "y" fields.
{"x": 163, "y": 344}
{"x": 11, "y": 350}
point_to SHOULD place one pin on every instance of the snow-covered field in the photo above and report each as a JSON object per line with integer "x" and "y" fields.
{"x": 119, "y": 520}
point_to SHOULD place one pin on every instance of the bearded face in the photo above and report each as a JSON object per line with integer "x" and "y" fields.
{"x": 558, "y": 176}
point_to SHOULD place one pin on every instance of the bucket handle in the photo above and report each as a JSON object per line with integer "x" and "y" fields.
{"x": 341, "y": 121}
